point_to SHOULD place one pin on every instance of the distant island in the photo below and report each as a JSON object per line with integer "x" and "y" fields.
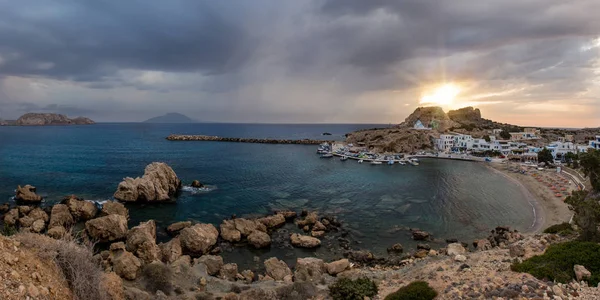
{"x": 171, "y": 118}
{"x": 43, "y": 119}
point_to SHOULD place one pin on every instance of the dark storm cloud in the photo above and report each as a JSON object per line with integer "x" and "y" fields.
{"x": 265, "y": 57}
{"x": 87, "y": 40}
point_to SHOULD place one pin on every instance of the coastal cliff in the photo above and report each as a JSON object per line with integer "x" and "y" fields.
{"x": 41, "y": 119}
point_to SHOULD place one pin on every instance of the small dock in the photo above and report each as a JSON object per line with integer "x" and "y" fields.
{"x": 209, "y": 138}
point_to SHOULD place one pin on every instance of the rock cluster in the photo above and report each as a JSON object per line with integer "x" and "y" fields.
{"x": 159, "y": 183}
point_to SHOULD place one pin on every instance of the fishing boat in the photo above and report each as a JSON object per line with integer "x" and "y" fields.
{"x": 328, "y": 155}
{"x": 344, "y": 158}
{"x": 360, "y": 161}
{"x": 376, "y": 162}
{"x": 414, "y": 161}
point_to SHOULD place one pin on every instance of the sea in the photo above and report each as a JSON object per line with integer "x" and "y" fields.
{"x": 376, "y": 204}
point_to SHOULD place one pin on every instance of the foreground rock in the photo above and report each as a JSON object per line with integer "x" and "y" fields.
{"x": 198, "y": 239}
{"x": 304, "y": 241}
{"x": 159, "y": 183}
{"x": 80, "y": 209}
{"x": 309, "y": 269}
{"x": 141, "y": 241}
{"x": 27, "y": 194}
{"x": 338, "y": 266}
{"x": 125, "y": 264}
{"x": 107, "y": 229}
{"x": 61, "y": 216}
{"x": 277, "y": 269}
{"x": 259, "y": 239}
{"x": 114, "y": 208}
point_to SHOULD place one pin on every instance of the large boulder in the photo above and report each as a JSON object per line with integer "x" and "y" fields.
{"x": 80, "y": 209}
{"x": 57, "y": 232}
{"x": 213, "y": 263}
{"x": 114, "y": 208}
{"x": 228, "y": 272}
{"x": 304, "y": 241}
{"x": 141, "y": 241}
{"x": 198, "y": 239}
{"x": 171, "y": 250}
{"x": 259, "y": 239}
{"x": 420, "y": 235}
{"x": 26, "y": 221}
{"x": 277, "y": 269}
{"x": 309, "y": 269}
{"x": 159, "y": 183}
{"x": 38, "y": 226}
{"x": 60, "y": 216}
{"x": 125, "y": 264}
{"x": 581, "y": 272}
{"x": 27, "y": 194}
{"x": 455, "y": 249}
{"x": 246, "y": 226}
{"x": 228, "y": 231}
{"x": 11, "y": 217}
{"x": 38, "y": 214}
{"x": 338, "y": 266}
{"x": 107, "y": 229}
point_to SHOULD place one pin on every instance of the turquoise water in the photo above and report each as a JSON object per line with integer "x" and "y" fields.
{"x": 450, "y": 199}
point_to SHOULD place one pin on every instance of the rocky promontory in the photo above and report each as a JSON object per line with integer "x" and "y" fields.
{"x": 41, "y": 119}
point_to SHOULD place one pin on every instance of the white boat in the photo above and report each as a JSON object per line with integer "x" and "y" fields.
{"x": 376, "y": 162}
{"x": 390, "y": 162}
{"x": 414, "y": 163}
{"x": 402, "y": 162}
{"x": 360, "y": 161}
{"x": 328, "y": 155}
{"x": 344, "y": 158}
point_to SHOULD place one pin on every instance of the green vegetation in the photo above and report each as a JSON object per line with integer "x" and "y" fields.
{"x": 558, "y": 261}
{"x": 505, "y": 135}
{"x": 590, "y": 162}
{"x": 545, "y": 156}
{"x": 347, "y": 289}
{"x": 416, "y": 290}
{"x": 570, "y": 158}
{"x": 561, "y": 229}
{"x": 158, "y": 276}
{"x": 8, "y": 230}
{"x": 587, "y": 214}
{"x": 487, "y": 138}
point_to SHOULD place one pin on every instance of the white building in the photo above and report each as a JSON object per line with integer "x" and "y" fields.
{"x": 595, "y": 144}
{"x": 445, "y": 142}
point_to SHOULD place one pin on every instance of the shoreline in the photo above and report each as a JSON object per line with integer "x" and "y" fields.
{"x": 547, "y": 209}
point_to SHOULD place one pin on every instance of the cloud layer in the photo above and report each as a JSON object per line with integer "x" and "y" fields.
{"x": 525, "y": 62}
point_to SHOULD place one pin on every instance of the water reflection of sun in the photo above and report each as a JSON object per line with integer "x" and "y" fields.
{"x": 443, "y": 95}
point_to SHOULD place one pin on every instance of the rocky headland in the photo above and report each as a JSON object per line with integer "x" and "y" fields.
{"x": 41, "y": 119}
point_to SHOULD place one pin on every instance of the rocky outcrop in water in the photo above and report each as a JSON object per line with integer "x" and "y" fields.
{"x": 159, "y": 183}
{"x": 40, "y": 119}
{"x": 27, "y": 194}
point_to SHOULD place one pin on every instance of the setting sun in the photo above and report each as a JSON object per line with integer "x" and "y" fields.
{"x": 442, "y": 95}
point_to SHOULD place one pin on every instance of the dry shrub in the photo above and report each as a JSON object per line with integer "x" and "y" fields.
{"x": 158, "y": 276}
{"x": 74, "y": 259}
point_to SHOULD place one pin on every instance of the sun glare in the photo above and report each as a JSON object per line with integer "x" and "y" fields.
{"x": 442, "y": 95}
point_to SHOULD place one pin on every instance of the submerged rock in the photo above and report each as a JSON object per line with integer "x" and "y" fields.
{"x": 27, "y": 194}
{"x": 197, "y": 184}
{"x": 304, "y": 241}
{"x": 420, "y": 235}
{"x": 159, "y": 183}
{"x": 174, "y": 228}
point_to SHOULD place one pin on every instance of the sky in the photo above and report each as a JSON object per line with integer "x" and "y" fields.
{"x": 525, "y": 62}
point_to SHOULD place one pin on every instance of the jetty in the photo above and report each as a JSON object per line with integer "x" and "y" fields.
{"x": 209, "y": 138}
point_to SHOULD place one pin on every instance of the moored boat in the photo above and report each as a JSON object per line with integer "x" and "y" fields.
{"x": 376, "y": 162}
{"x": 344, "y": 158}
{"x": 328, "y": 155}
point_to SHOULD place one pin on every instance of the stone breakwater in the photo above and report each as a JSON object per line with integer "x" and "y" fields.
{"x": 208, "y": 138}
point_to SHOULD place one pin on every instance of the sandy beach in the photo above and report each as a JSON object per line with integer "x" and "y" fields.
{"x": 548, "y": 209}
